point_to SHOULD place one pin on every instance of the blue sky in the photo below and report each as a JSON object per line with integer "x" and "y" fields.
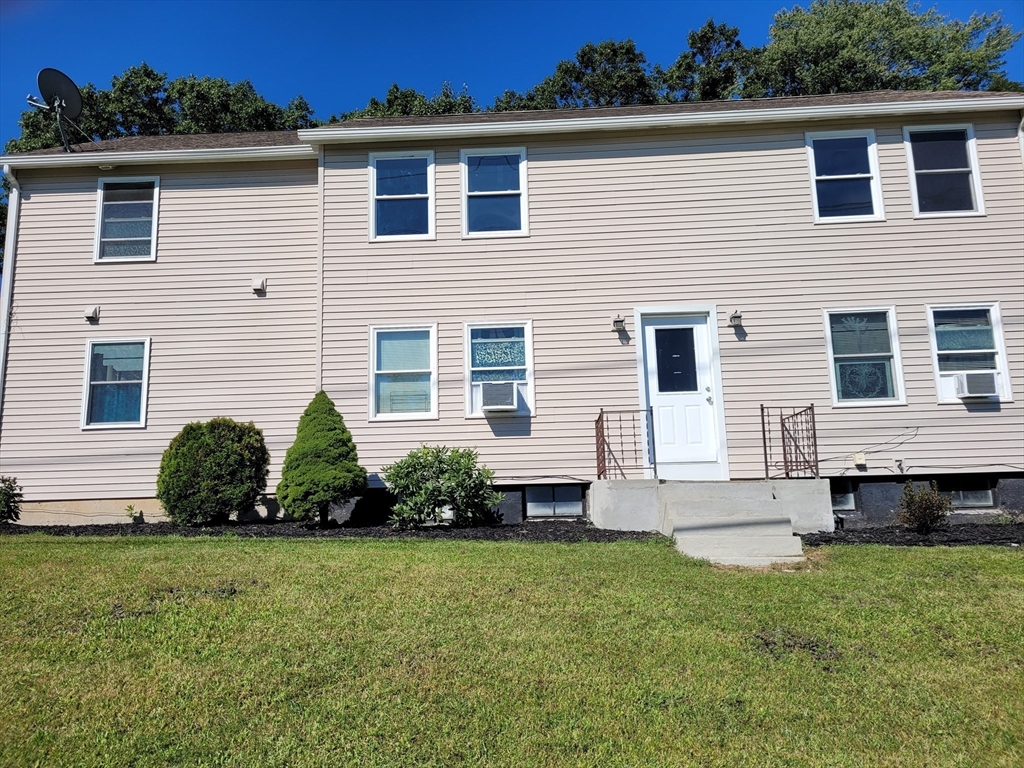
{"x": 339, "y": 54}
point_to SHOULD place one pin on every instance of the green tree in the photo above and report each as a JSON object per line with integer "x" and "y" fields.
{"x": 713, "y": 66}
{"x": 405, "y": 102}
{"x": 845, "y": 46}
{"x": 609, "y": 74}
{"x": 321, "y": 467}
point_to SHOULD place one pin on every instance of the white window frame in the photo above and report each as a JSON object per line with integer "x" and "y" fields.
{"x": 87, "y": 384}
{"x": 876, "y": 180}
{"x": 372, "y": 394}
{"x": 524, "y": 207}
{"x": 527, "y": 325}
{"x": 100, "y": 183}
{"x": 972, "y": 157}
{"x": 374, "y": 157}
{"x": 1002, "y": 370}
{"x": 897, "y": 362}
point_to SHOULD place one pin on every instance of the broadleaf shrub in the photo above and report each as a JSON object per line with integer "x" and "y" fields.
{"x": 321, "y": 467}
{"x": 10, "y": 499}
{"x": 432, "y": 480}
{"x": 923, "y": 509}
{"x": 211, "y": 470}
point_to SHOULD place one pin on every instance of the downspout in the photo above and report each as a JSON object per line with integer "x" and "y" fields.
{"x": 7, "y": 295}
{"x": 1020, "y": 136}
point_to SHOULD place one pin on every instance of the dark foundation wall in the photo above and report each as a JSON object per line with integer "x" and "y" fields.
{"x": 876, "y": 501}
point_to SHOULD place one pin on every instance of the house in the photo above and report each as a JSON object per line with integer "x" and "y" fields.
{"x": 517, "y": 282}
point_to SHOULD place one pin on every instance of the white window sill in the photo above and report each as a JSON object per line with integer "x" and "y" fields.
{"x": 385, "y": 417}
{"x": 847, "y": 219}
{"x": 951, "y": 215}
{"x": 123, "y": 260}
{"x": 115, "y": 425}
{"x": 868, "y": 403}
{"x": 401, "y": 238}
{"x": 494, "y": 235}
{"x": 501, "y": 415}
{"x": 969, "y": 400}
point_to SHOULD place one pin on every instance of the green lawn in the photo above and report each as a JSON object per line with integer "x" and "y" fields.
{"x": 232, "y": 652}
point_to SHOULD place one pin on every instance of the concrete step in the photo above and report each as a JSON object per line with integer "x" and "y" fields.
{"x": 716, "y": 547}
{"x": 685, "y": 491}
{"x": 729, "y": 526}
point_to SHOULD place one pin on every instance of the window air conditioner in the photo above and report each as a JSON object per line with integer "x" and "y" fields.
{"x": 976, "y": 385}
{"x": 497, "y": 396}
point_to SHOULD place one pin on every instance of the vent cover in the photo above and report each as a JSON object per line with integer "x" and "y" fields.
{"x": 976, "y": 385}
{"x": 498, "y": 396}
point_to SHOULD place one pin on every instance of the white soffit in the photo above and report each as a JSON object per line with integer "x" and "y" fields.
{"x": 161, "y": 156}
{"x": 350, "y": 135}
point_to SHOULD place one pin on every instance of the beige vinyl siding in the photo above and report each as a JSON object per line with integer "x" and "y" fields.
{"x": 674, "y": 218}
{"x": 217, "y": 349}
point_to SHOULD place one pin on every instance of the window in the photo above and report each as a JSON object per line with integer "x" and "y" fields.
{"x": 843, "y": 498}
{"x": 499, "y": 352}
{"x": 126, "y": 219}
{"x": 404, "y": 373}
{"x": 864, "y": 357}
{"x": 967, "y": 491}
{"x": 401, "y": 196}
{"x": 943, "y": 163}
{"x": 494, "y": 192}
{"x": 116, "y": 380}
{"x": 554, "y": 501}
{"x": 844, "y": 174}
{"x": 967, "y": 339}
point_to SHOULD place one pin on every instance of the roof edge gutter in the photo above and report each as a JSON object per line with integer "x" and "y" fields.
{"x": 161, "y": 156}
{"x": 340, "y": 135}
{"x": 7, "y": 281}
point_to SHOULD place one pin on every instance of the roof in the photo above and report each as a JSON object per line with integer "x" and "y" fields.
{"x": 302, "y": 144}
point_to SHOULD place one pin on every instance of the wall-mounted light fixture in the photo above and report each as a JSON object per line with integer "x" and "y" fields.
{"x": 618, "y": 323}
{"x": 736, "y": 319}
{"x": 259, "y": 284}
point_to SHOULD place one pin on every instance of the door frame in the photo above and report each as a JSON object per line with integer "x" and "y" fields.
{"x": 703, "y": 470}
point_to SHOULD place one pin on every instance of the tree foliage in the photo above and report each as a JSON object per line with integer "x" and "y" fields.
{"x": 321, "y": 467}
{"x": 404, "y": 102}
{"x": 712, "y": 67}
{"x": 845, "y": 46}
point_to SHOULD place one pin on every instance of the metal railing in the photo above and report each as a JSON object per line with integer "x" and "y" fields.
{"x": 620, "y": 437}
{"x": 797, "y": 442}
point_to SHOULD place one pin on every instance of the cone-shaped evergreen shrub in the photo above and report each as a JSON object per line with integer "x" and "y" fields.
{"x": 322, "y": 466}
{"x": 211, "y": 470}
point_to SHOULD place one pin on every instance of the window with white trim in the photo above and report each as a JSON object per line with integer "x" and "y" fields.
{"x": 943, "y": 164}
{"x": 494, "y": 192}
{"x": 402, "y": 196}
{"x": 967, "y": 339}
{"x": 864, "y": 357}
{"x": 845, "y": 183}
{"x": 126, "y": 219}
{"x": 116, "y": 379}
{"x": 404, "y": 372}
{"x": 499, "y": 352}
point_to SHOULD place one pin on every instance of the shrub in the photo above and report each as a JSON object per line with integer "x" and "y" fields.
{"x": 211, "y": 470}
{"x": 322, "y": 466}
{"x": 10, "y": 499}
{"x": 923, "y": 509}
{"x": 433, "y": 480}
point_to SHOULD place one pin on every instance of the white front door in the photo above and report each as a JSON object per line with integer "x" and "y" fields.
{"x": 682, "y": 392}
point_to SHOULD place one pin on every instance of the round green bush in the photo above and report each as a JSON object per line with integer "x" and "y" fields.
{"x": 433, "y": 480}
{"x": 322, "y": 466}
{"x": 211, "y": 470}
{"x": 923, "y": 509}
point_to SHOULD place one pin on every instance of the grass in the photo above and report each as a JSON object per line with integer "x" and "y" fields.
{"x": 232, "y": 652}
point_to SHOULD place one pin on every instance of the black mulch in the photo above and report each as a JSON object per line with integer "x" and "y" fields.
{"x": 560, "y": 531}
{"x": 953, "y": 536}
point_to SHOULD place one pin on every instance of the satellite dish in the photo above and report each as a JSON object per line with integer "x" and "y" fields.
{"x": 60, "y": 96}
{"x": 56, "y": 88}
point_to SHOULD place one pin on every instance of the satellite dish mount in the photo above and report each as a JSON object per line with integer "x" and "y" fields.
{"x": 60, "y": 96}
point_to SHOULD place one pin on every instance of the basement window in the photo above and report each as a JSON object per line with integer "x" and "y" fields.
{"x": 968, "y": 492}
{"x": 554, "y": 501}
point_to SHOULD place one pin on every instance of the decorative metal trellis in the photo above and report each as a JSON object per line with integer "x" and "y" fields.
{"x": 797, "y": 441}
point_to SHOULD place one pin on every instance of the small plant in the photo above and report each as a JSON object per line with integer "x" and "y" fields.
{"x": 211, "y": 470}
{"x": 434, "y": 480}
{"x": 923, "y": 509}
{"x": 322, "y": 466}
{"x": 135, "y": 515}
{"x": 10, "y": 499}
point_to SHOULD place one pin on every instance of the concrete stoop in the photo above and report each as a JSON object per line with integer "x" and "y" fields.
{"x": 750, "y": 523}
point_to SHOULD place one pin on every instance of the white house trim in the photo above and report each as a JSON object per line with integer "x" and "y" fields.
{"x": 162, "y": 156}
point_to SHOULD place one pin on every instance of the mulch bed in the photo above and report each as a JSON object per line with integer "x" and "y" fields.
{"x": 558, "y": 531}
{"x": 954, "y": 536}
